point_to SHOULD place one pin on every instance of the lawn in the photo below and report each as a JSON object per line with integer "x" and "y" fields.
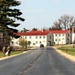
{"x": 68, "y": 49}
{"x": 1, "y": 54}
{"x": 12, "y": 53}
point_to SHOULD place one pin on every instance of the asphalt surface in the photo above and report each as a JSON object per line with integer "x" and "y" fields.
{"x": 44, "y": 61}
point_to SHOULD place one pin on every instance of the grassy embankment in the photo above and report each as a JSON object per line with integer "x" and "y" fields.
{"x": 12, "y": 53}
{"x": 16, "y": 51}
{"x": 68, "y": 49}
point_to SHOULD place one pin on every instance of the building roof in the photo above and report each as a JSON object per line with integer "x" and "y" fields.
{"x": 58, "y": 31}
{"x": 30, "y": 33}
{"x": 40, "y": 32}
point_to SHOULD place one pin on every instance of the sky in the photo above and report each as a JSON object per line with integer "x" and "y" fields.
{"x": 43, "y": 13}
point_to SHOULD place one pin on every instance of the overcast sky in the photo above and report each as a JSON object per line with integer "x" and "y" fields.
{"x": 42, "y": 13}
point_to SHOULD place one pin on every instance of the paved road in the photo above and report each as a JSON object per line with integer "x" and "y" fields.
{"x": 37, "y": 62}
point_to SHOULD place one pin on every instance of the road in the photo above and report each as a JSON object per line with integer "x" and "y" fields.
{"x": 44, "y": 61}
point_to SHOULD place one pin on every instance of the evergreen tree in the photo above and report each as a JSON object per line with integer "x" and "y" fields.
{"x": 8, "y": 14}
{"x": 25, "y": 30}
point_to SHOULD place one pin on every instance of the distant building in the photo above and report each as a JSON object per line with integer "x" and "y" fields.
{"x": 35, "y": 38}
{"x": 62, "y": 36}
{"x": 45, "y": 37}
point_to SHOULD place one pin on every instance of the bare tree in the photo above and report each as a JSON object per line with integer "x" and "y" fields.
{"x": 65, "y": 21}
{"x": 57, "y": 25}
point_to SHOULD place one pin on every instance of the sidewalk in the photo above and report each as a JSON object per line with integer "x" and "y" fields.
{"x": 70, "y": 57}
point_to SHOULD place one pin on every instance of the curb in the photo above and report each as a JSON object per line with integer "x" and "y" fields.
{"x": 68, "y": 56}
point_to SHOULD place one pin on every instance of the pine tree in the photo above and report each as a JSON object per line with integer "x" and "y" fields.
{"x": 8, "y": 14}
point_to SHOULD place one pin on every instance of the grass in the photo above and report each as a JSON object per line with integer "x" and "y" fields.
{"x": 1, "y": 54}
{"x": 68, "y": 49}
{"x": 16, "y": 52}
{"x": 12, "y": 53}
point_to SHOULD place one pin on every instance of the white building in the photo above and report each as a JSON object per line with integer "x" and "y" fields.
{"x": 36, "y": 38}
{"x": 62, "y": 36}
{"x": 47, "y": 37}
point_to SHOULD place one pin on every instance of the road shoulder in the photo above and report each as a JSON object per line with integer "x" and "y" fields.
{"x": 68, "y": 56}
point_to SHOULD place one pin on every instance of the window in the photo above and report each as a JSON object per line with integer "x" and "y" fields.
{"x": 40, "y": 37}
{"x": 62, "y": 34}
{"x": 30, "y": 37}
{"x": 40, "y": 42}
{"x": 25, "y": 37}
{"x": 55, "y": 39}
{"x": 59, "y": 39}
{"x": 43, "y": 41}
{"x": 36, "y": 37}
{"x": 62, "y": 38}
{"x": 55, "y": 34}
{"x": 43, "y": 37}
{"x": 59, "y": 34}
{"x": 29, "y": 42}
{"x": 36, "y": 42}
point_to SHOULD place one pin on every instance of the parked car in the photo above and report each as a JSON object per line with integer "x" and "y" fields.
{"x": 41, "y": 45}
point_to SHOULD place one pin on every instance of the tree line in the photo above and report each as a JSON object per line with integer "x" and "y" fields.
{"x": 64, "y": 22}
